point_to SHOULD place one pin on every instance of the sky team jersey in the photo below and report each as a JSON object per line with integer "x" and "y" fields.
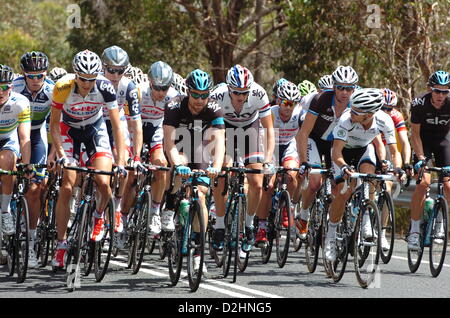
{"x": 358, "y": 137}
{"x": 128, "y": 100}
{"x": 14, "y": 112}
{"x": 434, "y": 123}
{"x": 153, "y": 112}
{"x": 78, "y": 111}
{"x": 40, "y": 105}
{"x": 322, "y": 106}
{"x": 256, "y": 106}
{"x": 285, "y": 132}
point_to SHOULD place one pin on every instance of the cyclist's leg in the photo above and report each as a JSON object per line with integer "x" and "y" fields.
{"x": 8, "y": 158}
{"x": 220, "y": 200}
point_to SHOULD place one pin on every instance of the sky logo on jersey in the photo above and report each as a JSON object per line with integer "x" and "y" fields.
{"x": 437, "y": 121}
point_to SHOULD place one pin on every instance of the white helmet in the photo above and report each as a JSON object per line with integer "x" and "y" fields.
{"x": 289, "y": 91}
{"x": 325, "y": 82}
{"x": 239, "y": 77}
{"x": 56, "y": 73}
{"x": 367, "y": 100}
{"x": 87, "y": 62}
{"x": 136, "y": 75}
{"x": 179, "y": 84}
{"x": 344, "y": 75}
{"x": 160, "y": 74}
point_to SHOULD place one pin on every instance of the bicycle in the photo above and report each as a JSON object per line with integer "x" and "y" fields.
{"x": 235, "y": 227}
{"x": 280, "y": 222}
{"x": 318, "y": 219}
{"x": 46, "y": 228}
{"x": 432, "y": 233}
{"x": 81, "y": 248}
{"x": 138, "y": 227}
{"x": 359, "y": 210}
{"x": 17, "y": 244}
{"x": 184, "y": 241}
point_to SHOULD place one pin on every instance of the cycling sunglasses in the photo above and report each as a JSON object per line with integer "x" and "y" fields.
{"x": 84, "y": 79}
{"x": 120, "y": 71}
{"x": 440, "y": 91}
{"x": 5, "y": 87}
{"x": 346, "y": 88}
{"x": 159, "y": 88}
{"x": 197, "y": 96}
{"x": 357, "y": 113}
{"x": 238, "y": 93}
{"x": 287, "y": 103}
{"x": 35, "y": 76}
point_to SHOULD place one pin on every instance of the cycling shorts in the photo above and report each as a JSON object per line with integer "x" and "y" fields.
{"x": 355, "y": 157}
{"x": 39, "y": 151}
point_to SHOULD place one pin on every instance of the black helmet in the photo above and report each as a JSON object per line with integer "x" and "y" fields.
{"x": 34, "y": 61}
{"x": 6, "y": 74}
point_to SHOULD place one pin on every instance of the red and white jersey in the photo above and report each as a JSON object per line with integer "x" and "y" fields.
{"x": 285, "y": 132}
{"x": 256, "y": 106}
{"x": 153, "y": 111}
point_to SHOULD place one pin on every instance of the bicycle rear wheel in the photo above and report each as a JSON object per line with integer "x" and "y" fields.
{"x": 366, "y": 251}
{"x": 22, "y": 239}
{"x": 242, "y": 257}
{"x": 228, "y": 237}
{"x": 43, "y": 240}
{"x": 196, "y": 247}
{"x": 283, "y": 223}
{"x": 140, "y": 238}
{"x": 415, "y": 257}
{"x": 103, "y": 248}
{"x": 439, "y": 237}
{"x": 386, "y": 208}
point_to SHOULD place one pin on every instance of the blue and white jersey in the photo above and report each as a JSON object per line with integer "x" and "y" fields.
{"x": 127, "y": 99}
{"x": 40, "y": 104}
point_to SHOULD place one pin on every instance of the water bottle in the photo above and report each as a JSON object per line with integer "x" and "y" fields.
{"x": 428, "y": 209}
{"x": 355, "y": 212}
{"x": 184, "y": 211}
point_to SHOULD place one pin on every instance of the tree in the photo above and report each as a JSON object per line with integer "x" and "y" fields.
{"x": 223, "y": 25}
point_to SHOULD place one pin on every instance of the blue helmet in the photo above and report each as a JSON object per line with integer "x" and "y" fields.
{"x": 439, "y": 78}
{"x": 199, "y": 80}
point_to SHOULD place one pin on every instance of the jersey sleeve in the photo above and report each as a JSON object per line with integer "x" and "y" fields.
{"x": 314, "y": 106}
{"x": 416, "y": 110}
{"x": 340, "y": 132}
{"x": 133, "y": 108}
{"x": 25, "y": 114}
{"x": 388, "y": 130}
{"x": 172, "y": 111}
{"x": 262, "y": 99}
{"x": 216, "y": 115}
{"x": 399, "y": 122}
{"x": 108, "y": 92}
{"x": 61, "y": 92}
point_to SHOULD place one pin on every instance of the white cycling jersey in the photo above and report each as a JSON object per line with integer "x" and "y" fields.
{"x": 285, "y": 132}
{"x": 357, "y": 137}
{"x": 256, "y": 106}
{"x": 14, "y": 112}
{"x": 128, "y": 100}
{"x": 40, "y": 104}
{"x": 153, "y": 111}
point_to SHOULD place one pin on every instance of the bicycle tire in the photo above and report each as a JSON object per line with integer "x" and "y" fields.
{"x": 43, "y": 232}
{"x": 140, "y": 238}
{"x": 282, "y": 247}
{"x": 266, "y": 250}
{"x": 243, "y": 262}
{"x": 174, "y": 255}
{"x": 390, "y": 227}
{"x": 227, "y": 246}
{"x": 436, "y": 264}
{"x": 194, "y": 277}
{"x": 22, "y": 239}
{"x": 296, "y": 241}
{"x": 363, "y": 247}
{"x": 313, "y": 239}
{"x": 415, "y": 257}
{"x": 101, "y": 261}
{"x": 236, "y": 232}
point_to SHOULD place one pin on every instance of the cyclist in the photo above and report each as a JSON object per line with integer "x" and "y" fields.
{"x": 357, "y": 128}
{"x": 245, "y": 105}
{"x": 286, "y": 118}
{"x": 15, "y": 144}
{"x": 316, "y": 134}
{"x": 115, "y": 62}
{"x": 77, "y": 118}
{"x": 56, "y": 73}
{"x": 154, "y": 97}
{"x": 195, "y": 113}
{"x": 325, "y": 83}
{"x": 430, "y": 135}
{"x": 389, "y": 107}
{"x": 35, "y": 86}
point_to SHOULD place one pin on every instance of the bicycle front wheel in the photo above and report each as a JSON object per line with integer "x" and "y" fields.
{"x": 140, "y": 237}
{"x": 283, "y": 223}
{"x": 438, "y": 237}
{"x": 242, "y": 257}
{"x": 22, "y": 239}
{"x": 313, "y": 238}
{"x": 386, "y": 208}
{"x": 103, "y": 248}
{"x": 196, "y": 246}
{"x": 367, "y": 244}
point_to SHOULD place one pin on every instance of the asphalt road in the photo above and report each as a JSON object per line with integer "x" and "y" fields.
{"x": 258, "y": 281}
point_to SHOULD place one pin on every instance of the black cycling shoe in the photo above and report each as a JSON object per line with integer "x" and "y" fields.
{"x": 218, "y": 236}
